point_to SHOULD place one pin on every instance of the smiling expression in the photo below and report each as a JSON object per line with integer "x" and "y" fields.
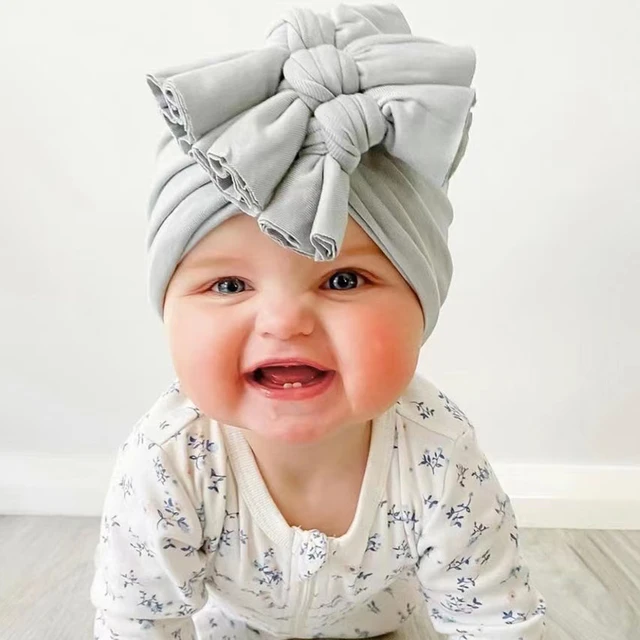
{"x": 239, "y": 298}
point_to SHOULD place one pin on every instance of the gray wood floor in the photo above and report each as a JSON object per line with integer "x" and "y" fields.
{"x": 590, "y": 580}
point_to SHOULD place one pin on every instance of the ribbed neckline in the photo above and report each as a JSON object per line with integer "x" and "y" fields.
{"x": 266, "y": 513}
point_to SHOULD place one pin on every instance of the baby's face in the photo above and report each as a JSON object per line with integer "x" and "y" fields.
{"x": 239, "y": 298}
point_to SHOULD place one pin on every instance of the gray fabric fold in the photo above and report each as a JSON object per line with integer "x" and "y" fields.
{"x": 336, "y": 115}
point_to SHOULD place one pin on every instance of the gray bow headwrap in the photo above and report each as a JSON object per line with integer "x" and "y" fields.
{"x": 335, "y": 116}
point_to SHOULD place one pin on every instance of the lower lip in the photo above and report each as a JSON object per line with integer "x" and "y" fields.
{"x": 296, "y": 393}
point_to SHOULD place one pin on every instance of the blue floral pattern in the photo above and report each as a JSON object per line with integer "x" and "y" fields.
{"x": 181, "y": 555}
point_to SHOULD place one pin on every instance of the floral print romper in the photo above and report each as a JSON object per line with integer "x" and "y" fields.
{"x": 192, "y": 546}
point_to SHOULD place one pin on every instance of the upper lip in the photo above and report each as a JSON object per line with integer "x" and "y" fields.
{"x": 283, "y": 362}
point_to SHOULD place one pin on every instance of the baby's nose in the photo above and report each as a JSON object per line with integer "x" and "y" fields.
{"x": 284, "y": 317}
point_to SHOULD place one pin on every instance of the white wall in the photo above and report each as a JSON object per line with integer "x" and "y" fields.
{"x": 538, "y": 341}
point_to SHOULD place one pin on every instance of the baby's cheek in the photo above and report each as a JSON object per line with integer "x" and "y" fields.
{"x": 383, "y": 355}
{"x": 205, "y": 359}
{"x": 191, "y": 344}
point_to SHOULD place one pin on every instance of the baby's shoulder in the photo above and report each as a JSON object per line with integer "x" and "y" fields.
{"x": 173, "y": 416}
{"x": 428, "y": 412}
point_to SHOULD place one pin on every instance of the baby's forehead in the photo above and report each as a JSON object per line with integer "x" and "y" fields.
{"x": 241, "y": 237}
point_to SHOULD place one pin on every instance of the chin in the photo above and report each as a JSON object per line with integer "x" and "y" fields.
{"x": 292, "y": 431}
{"x": 294, "y": 435}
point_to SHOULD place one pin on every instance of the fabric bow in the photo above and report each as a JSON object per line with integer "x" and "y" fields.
{"x": 279, "y": 130}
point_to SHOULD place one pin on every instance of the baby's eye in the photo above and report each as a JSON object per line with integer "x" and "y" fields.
{"x": 343, "y": 280}
{"x": 237, "y": 285}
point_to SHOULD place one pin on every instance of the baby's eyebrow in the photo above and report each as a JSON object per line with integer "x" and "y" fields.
{"x": 361, "y": 250}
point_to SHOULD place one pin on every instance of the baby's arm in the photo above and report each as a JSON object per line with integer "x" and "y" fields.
{"x": 472, "y": 574}
{"x": 149, "y": 562}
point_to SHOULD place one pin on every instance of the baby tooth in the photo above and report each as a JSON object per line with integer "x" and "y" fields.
{"x": 295, "y": 385}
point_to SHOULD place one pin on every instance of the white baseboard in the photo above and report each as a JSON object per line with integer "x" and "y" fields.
{"x": 543, "y": 496}
{"x": 53, "y": 484}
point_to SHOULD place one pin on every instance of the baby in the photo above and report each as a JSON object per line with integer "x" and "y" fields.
{"x": 298, "y": 479}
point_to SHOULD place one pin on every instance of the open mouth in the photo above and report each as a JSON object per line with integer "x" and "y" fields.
{"x": 288, "y": 377}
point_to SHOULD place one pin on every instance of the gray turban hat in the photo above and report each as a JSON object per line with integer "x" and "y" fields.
{"x": 336, "y": 115}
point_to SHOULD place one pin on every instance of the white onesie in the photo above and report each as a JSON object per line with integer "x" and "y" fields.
{"x": 193, "y": 546}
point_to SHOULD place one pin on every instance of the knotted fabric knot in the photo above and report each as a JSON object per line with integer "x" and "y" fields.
{"x": 326, "y": 80}
{"x": 351, "y": 125}
{"x": 320, "y": 74}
